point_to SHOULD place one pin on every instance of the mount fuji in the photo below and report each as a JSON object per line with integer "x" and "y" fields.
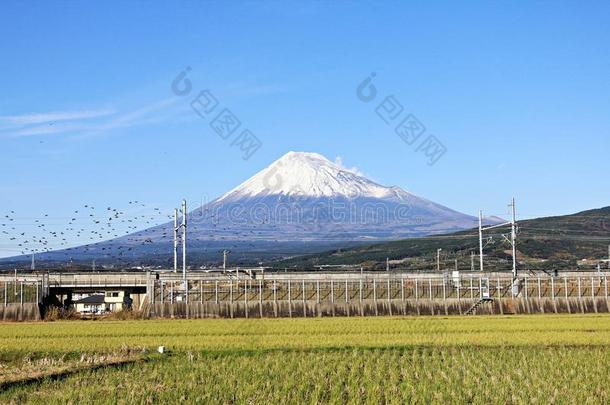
{"x": 301, "y": 203}
{"x": 304, "y": 196}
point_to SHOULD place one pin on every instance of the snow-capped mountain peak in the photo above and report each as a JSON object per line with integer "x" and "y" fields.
{"x": 307, "y": 174}
{"x": 328, "y": 203}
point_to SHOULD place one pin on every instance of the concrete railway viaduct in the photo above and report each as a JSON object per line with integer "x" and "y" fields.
{"x": 254, "y": 292}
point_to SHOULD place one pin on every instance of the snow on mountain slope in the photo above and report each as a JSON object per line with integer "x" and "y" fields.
{"x": 306, "y": 174}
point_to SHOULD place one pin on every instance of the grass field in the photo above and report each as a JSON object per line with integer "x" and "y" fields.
{"x": 518, "y": 359}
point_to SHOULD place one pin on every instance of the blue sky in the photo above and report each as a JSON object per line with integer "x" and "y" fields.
{"x": 517, "y": 92}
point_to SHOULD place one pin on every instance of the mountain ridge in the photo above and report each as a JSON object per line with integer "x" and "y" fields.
{"x": 573, "y": 241}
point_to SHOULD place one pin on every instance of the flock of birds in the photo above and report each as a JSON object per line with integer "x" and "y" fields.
{"x": 85, "y": 227}
{"x": 112, "y": 234}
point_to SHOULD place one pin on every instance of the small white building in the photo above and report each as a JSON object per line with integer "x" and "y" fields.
{"x": 98, "y": 304}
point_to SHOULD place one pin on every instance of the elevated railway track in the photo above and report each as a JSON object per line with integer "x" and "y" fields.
{"x": 160, "y": 289}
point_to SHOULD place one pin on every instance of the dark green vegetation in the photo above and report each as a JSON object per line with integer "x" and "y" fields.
{"x": 543, "y": 244}
{"x": 520, "y": 359}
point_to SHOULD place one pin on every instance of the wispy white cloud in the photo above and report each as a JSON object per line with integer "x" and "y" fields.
{"x": 155, "y": 112}
{"x": 84, "y": 123}
{"x": 45, "y": 129}
{"x": 100, "y": 121}
{"x": 49, "y": 117}
{"x": 139, "y": 115}
{"x": 354, "y": 169}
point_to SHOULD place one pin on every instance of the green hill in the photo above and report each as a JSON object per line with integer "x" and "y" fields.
{"x": 562, "y": 242}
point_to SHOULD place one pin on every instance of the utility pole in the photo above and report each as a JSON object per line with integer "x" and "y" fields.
{"x": 438, "y": 260}
{"x": 33, "y": 265}
{"x": 224, "y": 260}
{"x": 513, "y": 232}
{"x": 184, "y": 239}
{"x": 481, "y": 240}
{"x": 387, "y": 264}
{"x": 175, "y": 240}
{"x": 472, "y": 261}
{"x": 512, "y": 240}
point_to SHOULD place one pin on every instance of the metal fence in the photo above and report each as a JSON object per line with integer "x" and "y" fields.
{"x": 374, "y": 289}
{"x": 21, "y": 292}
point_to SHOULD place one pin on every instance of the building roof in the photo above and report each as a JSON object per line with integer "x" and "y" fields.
{"x": 92, "y": 299}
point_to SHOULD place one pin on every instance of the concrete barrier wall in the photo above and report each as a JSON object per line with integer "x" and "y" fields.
{"x": 282, "y": 309}
{"x": 20, "y": 312}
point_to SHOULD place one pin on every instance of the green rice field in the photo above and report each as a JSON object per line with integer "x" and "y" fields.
{"x": 484, "y": 359}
